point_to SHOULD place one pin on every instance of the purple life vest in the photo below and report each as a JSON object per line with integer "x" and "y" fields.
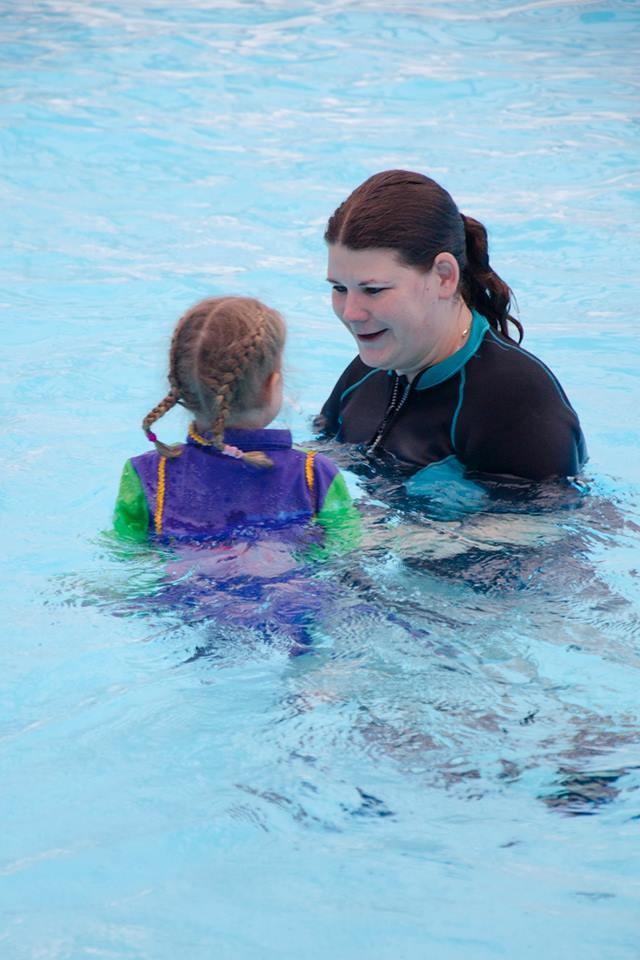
{"x": 203, "y": 493}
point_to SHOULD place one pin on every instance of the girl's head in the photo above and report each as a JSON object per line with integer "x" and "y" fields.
{"x": 417, "y": 219}
{"x": 224, "y": 365}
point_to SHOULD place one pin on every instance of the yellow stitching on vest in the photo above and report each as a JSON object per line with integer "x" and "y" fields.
{"x": 308, "y": 471}
{"x": 162, "y": 470}
{"x": 198, "y": 439}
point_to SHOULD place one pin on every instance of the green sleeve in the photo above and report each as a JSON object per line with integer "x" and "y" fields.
{"x": 340, "y": 520}
{"x": 131, "y": 515}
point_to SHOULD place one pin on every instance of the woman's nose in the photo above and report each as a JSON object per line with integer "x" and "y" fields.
{"x": 354, "y": 309}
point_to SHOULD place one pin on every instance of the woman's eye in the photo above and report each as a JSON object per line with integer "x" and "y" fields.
{"x": 371, "y": 291}
{"x": 337, "y": 288}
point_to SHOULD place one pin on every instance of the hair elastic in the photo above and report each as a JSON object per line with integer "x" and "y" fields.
{"x": 230, "y": 451}
{"x": 151, "y": 436}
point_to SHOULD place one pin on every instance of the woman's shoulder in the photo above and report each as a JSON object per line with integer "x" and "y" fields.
{"x": 513, "y": 371}
{"x": 514, "y": 417}
{"x": 355, "y": 374}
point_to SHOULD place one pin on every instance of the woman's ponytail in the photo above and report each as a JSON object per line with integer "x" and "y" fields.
{"x": 483, "y": 288}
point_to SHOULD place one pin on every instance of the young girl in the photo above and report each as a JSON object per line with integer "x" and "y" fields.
{"x": 232, "y": 473}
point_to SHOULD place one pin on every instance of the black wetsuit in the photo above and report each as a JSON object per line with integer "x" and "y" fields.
{"x": 490, "y": 408}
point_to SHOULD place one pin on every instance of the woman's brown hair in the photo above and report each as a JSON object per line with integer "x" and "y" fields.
{"x": 222, "y": 351}
{"x": 415, "y": 216}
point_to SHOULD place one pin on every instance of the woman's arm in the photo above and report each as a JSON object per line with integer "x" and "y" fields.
{"x": 328, "y": 420}
{"x": 514, "y": 417}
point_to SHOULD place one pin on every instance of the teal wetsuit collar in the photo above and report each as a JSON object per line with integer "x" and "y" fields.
{"x": 440, "y": 372}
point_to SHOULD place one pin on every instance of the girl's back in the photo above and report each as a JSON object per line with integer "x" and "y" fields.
{"x": 203, "y": 493}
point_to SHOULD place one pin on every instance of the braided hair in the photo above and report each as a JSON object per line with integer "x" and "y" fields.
{"x": 222, "y": 351}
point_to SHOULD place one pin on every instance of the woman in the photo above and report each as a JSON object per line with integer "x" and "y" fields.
{"x": 439, "y": 388}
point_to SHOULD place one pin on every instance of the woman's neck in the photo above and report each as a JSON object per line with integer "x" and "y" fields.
{"x": 455, "y": 329}
{"x": 457, "y": 332}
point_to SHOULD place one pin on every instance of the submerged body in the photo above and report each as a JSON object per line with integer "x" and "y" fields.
{"x": 237, "y": 533}
{"x": 489, "y": 408}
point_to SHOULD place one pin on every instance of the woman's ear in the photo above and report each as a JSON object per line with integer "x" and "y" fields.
{"x": 448, "y": 273}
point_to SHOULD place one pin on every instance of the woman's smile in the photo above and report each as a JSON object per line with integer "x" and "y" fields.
{"x": 390, "y": 309}
{"x": 368, "y": 337}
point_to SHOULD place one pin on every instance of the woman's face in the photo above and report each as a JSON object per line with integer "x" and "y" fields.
{"x": 391, "y": 310}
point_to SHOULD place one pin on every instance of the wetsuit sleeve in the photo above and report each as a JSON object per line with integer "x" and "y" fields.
{"x": 131, "y": 515}
{"x": 529, "y": 430}
{"x": 328, "y": 420}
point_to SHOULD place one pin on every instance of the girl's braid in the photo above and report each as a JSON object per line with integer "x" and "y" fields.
{"x": 177, "y": 392}
{"x": 241, "y": 357}
{"x": 215, "y": 368}
{"x": 185, "y": 344}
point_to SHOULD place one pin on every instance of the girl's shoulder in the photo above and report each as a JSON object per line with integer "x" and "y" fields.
{"x": 316, "y": 459}
{"x": 151, "y": 457}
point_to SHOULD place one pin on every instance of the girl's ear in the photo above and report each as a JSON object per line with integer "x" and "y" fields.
{"x": 272, "y": 381}
{"x": 273, "y": 395}
{"x": 272, "y": 385}
{"x": 448, "y": 273}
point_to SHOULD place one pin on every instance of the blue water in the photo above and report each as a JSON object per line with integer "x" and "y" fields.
{"x": 452, "y": 771}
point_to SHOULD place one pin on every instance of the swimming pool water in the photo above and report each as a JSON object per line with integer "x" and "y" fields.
{"x": 452, "y": 770}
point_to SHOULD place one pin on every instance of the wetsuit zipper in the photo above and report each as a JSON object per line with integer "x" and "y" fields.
{"x": 392, "y": 411}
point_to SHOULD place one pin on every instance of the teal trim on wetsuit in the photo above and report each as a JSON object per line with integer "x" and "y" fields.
{"x": 356, "y": 385}
{"x": 492, "y": 405}
{"x": 508, "y": 346}
{"x": 445, "y": 482}
{"x": 454, "y": 422}
{"x": 440, "y": 372}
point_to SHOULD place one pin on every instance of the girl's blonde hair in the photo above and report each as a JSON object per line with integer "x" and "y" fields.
{"x": 222, "y": 351}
